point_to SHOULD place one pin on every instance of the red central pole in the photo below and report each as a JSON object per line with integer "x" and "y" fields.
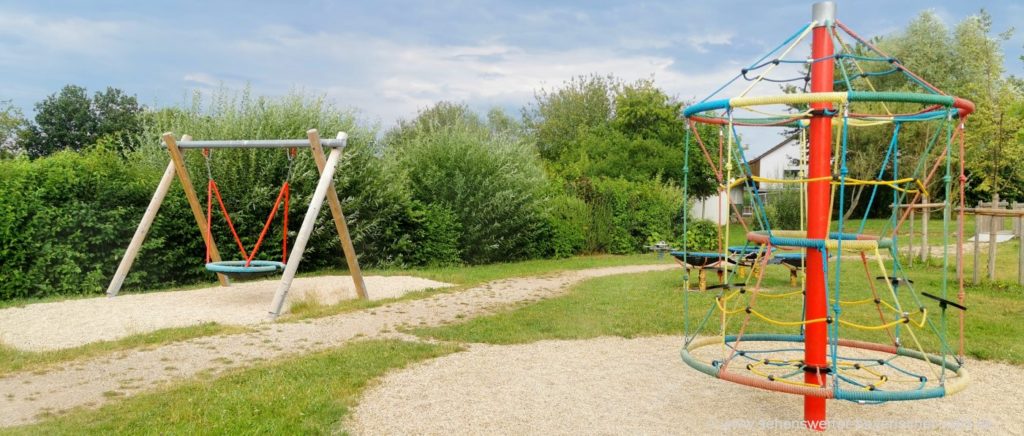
{"x": 818, "y": 217}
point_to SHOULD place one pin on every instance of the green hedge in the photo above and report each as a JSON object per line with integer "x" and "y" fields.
{"x": 65, "y": 220}
{"x": 448, "y": 188}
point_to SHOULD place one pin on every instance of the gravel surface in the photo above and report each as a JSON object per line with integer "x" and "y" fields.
{"x": 64, "y": 324}
{"x": 640, "y": 386}
{"x": 26, "y": 395}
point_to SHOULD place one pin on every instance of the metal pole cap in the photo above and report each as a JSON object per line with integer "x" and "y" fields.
{"x": 824, "y": 13}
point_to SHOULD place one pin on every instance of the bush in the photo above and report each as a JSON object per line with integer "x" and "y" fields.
{"x": 702, "y": 235}
{"x": 569, "y": 220}
{"x": 783, "y": 210}
{"x": 65, "y": 220}
{"x": 492, "y": 182}
{"x": 626, "y": 215}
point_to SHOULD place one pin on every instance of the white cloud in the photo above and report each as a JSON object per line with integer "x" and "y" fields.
{"x": 702, "y": 41}
{"x": 397, "y": 79}
{"x": 202, "y": 79}
{"x": 32, "y": 35}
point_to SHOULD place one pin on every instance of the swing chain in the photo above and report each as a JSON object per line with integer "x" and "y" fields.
{"x": 209, "y": 169}
{"x": 291, "y": 164}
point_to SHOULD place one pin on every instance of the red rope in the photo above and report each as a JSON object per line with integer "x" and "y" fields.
{"x": 284, "y": 231}
{"x": 227, "y": 217}
{"x": 283, "y": 195}
{"x": 209, "y": 218}
{"x": 266, "y": 226}
{"x": 853, "y": 34}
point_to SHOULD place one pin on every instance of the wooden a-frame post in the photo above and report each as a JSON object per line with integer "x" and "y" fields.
{"x": 175, "y": 166}
{"x": 339, "y": 217}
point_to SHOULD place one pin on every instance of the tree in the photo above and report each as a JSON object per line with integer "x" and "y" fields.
{"x": 599, "y": 127}
{"x": 967, "y": 62}
{"x": 556, "y": 117}
{"x": 964, "y": 61}
{"x": 119, "y": 117}
{"x": 71, "y": 120}
{"x": 11, "y": 123}
{"x": 489, "y": 181}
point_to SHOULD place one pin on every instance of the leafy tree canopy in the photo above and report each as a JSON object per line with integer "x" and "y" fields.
{"x": 595, "y": 126}
{"x": 70, "y": 119}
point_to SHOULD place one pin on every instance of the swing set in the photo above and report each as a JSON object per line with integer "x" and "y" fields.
{"x": 249, "y": 267}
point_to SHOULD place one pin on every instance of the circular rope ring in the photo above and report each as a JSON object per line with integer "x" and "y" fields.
{"x": 937, "y": 103}
{"x": 948, "y": 385}
{"x": 237, "y": 268}
{"x": 798, "y": 238}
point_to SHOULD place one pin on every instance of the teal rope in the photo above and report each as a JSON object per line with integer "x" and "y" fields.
{"x": 918, "y": 171}
{"x": 686, "y": 214}
{"x": 881, "y": 171}
{"x": 946, "y": 212}
{"x": 780, "y": 46}
{"x": 750, "y": 173}
{"x": 842, "y": 69}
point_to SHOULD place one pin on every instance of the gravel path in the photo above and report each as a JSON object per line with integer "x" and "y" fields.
{"x": 26, "y": 395}
{"x": 64, "y": 324}
{"x": 640, "y": 386}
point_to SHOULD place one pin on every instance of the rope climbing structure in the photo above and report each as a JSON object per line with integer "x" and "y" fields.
{"x": 858, "y": 328}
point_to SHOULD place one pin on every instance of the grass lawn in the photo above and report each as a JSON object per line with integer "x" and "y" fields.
{"x": 476, "y": 274}
{"x": 652, "y": 304}
{"x": 305, "y": 395}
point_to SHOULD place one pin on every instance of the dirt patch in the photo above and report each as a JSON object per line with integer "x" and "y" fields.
{"x": 93, "y": 382}
{"x": 640, "y": 386}
{"x": 65, "y": 324}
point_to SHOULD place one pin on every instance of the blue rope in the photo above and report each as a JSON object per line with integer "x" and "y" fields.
{"x": 783, "y": 44}
{"x": 881, "y": 171}
{"x": 686, "y": 213}
{"x": 750, "y": 173}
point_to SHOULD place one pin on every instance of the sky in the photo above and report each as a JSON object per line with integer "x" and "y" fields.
{"x": 389, "y": 59}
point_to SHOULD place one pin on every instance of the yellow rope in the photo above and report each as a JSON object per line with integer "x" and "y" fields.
{"x": 905, "y": 320}
{"x": 804, "y": 98}
{"x": 753, "y": 369}
{"x": 894, "y": 184}
{"x": 770, "y": 295}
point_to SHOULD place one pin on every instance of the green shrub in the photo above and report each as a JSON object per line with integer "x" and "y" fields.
{"x": 63, "y": 219}
{"x": 702, "y": 235}
{"x": 627, "y": 214}
{"x": 784, "y": 207}
{"x": 569, "y": 219}
{"x": 492, "y": 182}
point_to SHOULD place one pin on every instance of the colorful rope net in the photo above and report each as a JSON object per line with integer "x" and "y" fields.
{"x": 887, "y": 339}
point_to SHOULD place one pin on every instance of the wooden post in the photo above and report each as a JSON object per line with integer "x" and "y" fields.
{"x": 977, "y": 247}
{"x": 339, "y": 217}
{"x": 307, "y": 228}
{"x": 992, "y": 232}
{"x": 1020, "y": 250}
{"x": 141, "y": 231}
{"x": 193, "y": 201}
{"x": 925, "y": 249}
{"x": 910, "y": 239}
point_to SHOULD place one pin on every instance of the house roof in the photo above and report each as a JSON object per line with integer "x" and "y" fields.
{"x": 784, "y": 142}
